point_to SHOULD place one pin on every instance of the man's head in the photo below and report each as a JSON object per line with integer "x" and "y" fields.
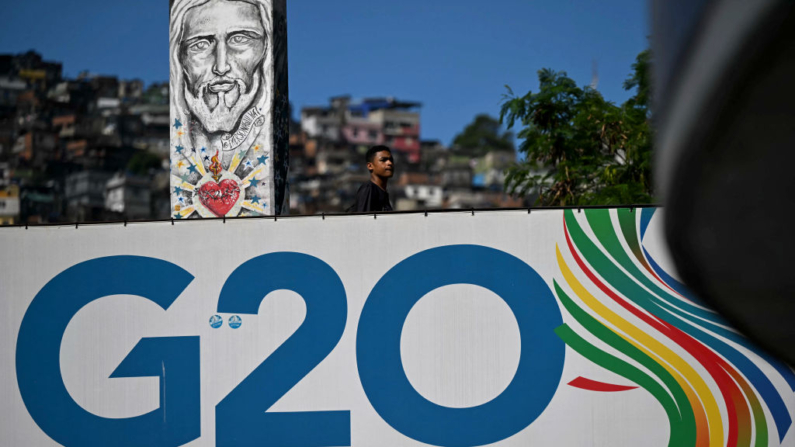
{"x": 380, "y": 162}
{"x": 222, "y": 47}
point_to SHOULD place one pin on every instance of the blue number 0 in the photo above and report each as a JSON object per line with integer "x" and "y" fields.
{"x": 378, "y": 346}
{"x": 241, "y": 418}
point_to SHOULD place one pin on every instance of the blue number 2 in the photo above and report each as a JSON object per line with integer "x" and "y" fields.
{"x": 378, "y": 346}
{"x": 38, "y": 357}
{"x": 241, "y": 417}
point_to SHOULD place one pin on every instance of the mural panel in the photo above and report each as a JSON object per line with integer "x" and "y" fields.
{"x": 228, "y": 151}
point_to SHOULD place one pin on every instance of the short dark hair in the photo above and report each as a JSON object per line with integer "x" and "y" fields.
{"x": 374, "y": 150}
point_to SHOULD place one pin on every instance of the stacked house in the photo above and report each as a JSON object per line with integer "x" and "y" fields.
{"x": 66, "y": 143}
{"x": 327, "y": 162}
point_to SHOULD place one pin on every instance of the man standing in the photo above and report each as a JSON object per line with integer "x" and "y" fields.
{"x": 373, "y": 195}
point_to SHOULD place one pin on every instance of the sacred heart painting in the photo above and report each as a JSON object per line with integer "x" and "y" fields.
{"x": 229, "y": 108}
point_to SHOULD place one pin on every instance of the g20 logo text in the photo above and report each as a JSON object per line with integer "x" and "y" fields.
{"x": 242, "y": 417}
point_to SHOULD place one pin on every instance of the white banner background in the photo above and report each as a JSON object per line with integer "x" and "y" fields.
{"x": 460, "y": 344}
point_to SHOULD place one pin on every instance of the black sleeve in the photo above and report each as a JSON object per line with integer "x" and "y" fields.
{"x": 365, "y": 199}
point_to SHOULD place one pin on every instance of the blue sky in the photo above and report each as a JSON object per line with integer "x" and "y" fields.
{"x": 454, "y": 56}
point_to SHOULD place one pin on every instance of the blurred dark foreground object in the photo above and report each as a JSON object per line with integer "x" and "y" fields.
{"x": 725, "y": 114}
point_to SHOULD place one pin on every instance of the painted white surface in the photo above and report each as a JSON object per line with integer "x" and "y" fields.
{"x": 460, "y": 344}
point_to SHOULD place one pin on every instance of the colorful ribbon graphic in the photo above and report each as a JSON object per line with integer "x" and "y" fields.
{"x": 707, "y": 377}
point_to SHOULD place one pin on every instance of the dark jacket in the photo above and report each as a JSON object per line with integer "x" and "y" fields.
{"x": 370, "y": 198}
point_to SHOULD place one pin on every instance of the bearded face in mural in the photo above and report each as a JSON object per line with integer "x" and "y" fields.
{"x": 222, "y": 48}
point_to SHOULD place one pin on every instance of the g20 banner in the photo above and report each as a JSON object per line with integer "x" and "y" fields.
{"x": 504, "y": 328}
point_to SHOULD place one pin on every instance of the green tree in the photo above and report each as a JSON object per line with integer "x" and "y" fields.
{"x": 484, "y": 135}
{"x": 142, "y": 162}
{"x": 579, "y": 148}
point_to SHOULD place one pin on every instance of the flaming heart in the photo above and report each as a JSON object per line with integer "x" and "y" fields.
{"x": 219, "y": 197}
